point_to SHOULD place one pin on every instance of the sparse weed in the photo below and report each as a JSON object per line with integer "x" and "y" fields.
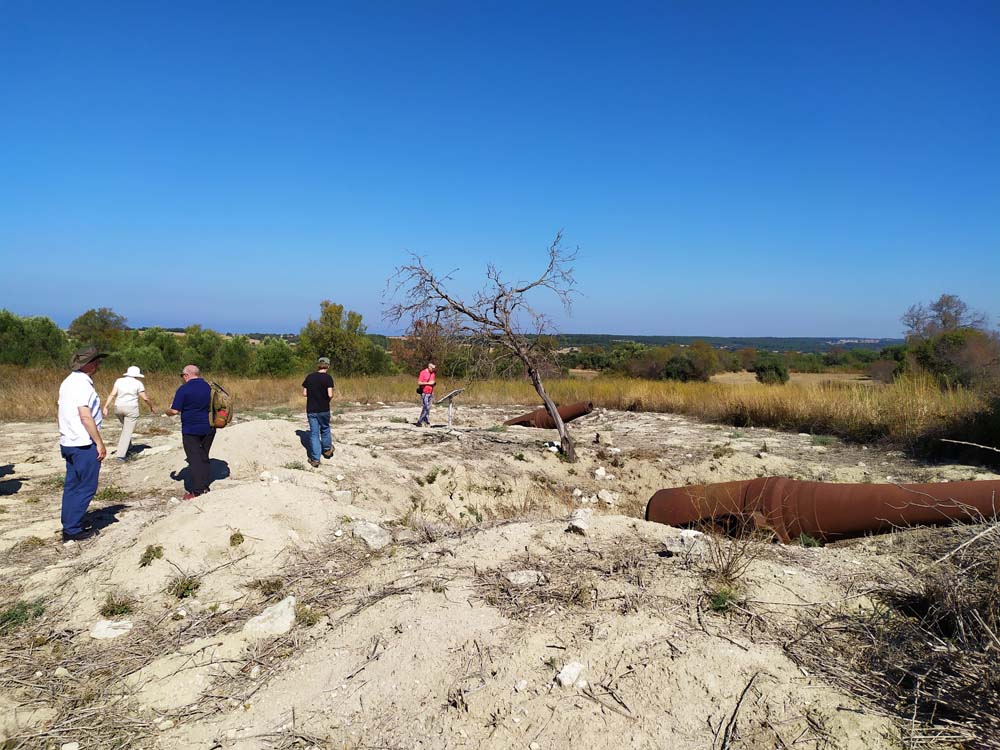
{"x": 26, "y": 546}
{"x": 722, "y": 598}
{"x": 110, "y": 494}
{"x": 152, "y": 552}
{"x": 823, "y": 440}
{"x": 399, "y": 420}
{"x": 474, "y": 513}
{"x": 236, "y": 539}
{"x": 306, "y": 615}
{"x": 809, "y": 541}
{"x": 19, "y": 613}
{"x": 269, "y": 588}
{"x": 54, "y": 483}
{"x": 117, "y": 604}
{"x": 32, "y": 500}
{"x": 295, "y": 465}
{"x": 183, "y": 586}
{"x": 519, "y": 457}
{"x": 721, "y": 451}
{"x": 432, "y": 475}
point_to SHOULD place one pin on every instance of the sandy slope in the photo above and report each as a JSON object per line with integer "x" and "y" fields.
{"x": 425, "y": 643}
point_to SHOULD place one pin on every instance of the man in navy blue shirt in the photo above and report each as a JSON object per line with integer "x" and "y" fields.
{"x": 193, "y": 401}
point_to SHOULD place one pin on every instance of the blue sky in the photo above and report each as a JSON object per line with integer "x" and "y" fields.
{"x": 785, "y": 169}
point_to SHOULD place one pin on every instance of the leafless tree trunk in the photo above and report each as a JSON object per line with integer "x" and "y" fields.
{"x": 498, "y": 315}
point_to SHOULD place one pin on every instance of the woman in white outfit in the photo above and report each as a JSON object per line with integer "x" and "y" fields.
{"x": 129, "y": 389}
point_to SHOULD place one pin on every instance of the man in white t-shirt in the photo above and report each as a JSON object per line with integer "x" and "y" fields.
{"x": 128, "y": 390}
{"x": 80, "y": 441}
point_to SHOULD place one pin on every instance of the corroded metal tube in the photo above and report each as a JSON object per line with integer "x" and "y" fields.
{"x": 540, "y": 417}
{"x": 825, "y": 510}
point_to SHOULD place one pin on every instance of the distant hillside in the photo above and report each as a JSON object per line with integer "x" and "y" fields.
{"x": 766, "y": 343}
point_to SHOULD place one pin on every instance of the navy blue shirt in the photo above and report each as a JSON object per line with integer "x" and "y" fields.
{"x": 194, "y": 401}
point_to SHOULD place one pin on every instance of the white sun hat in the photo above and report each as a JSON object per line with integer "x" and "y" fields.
{"x": 134, "y": 372}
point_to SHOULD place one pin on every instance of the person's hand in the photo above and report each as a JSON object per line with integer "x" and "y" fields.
{"x": 102, "y": 451}
{"x": 105, "y": 411}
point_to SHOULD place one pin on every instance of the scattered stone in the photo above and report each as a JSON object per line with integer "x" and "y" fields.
{"x": 579, "y": 521}
{"x": 600, "y": 473}
{"x": 255, "y": 672}
{"x": 525, "y": 577}
{"x": 338, "y": 533}
{"x": 614, "y": 451}
{"x": 607, "y": 497}
{"x": 371, "y": 534}
{"x": 275, "y": 620}
{"x": 569, "y": 674}
{"x": 577, "y": 492}
{"x": 106, "y": 629}
{"x": 61, "y": 672}
{"x": 520, "y": 686}
{"x": 166, "y": 724}
{"x": 688, "y": 455}
{"x": 804, "y": 434}
{"x": 534, "y": 746}
{"x": 70, "y": 746}
{"x": 819, "y": 448}
{"x": 340, "y": 477}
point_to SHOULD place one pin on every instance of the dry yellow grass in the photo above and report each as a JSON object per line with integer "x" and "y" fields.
{"x": 903, "y": 412}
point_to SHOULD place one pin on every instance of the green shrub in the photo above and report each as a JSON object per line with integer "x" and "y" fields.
{"x": 19, "y": 613}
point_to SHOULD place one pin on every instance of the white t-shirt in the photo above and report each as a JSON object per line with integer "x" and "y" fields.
{"x": 77, "y": 390}
{"x": 128, "y": 394}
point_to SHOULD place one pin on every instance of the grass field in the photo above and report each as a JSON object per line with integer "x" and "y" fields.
{"x": 903, "y": 412}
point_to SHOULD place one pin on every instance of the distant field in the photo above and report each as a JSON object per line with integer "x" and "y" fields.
{"x": 797, "y": 378}
{"x": 903, "y": 412}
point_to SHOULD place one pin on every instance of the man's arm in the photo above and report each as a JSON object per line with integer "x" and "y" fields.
{"x": 178, "y": 401}
{"x": 305, "y": 393}
{"x": 144, "y": 397}
{"x": 91, "y": 427}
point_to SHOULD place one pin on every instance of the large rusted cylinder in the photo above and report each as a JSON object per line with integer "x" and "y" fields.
{"x": 540, "y": 417}
{"x": 824, "y": 510}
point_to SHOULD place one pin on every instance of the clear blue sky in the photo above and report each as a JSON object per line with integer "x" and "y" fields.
{"x": 726, "y": 168}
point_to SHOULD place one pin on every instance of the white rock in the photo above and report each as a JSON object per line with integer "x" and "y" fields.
{"x": 600, "y": 473}
{"x": 61, "y": 672}
{"x": 266, "y": 476}
{"x": 615, "y": 450}
{"x": 255, "y": 672}
{"x": 520, "y": 686}
{"x": 804, "y": 434}
{"x": 343, "y": 496}
{"x": 70, "y": 746}
{"x": 371, "y": 534}
{"x": 275, "y": 620}
{"x": 338, "y": 533}
{"x": 581, "y": 684}
{"x": 688, "y": 455}
{"x": 340, "y": 477}
{"x": 525, "y": 577}
{"x": 553, "y": 449}
{"x": 569, "y": 674}
{"x": 534, "y": 746}
{"x": 607, "y": 497}
{"x": 166, "y": 724}
{"x": 579, "y": 521}
{"x": 105, "y": 629}
{"x": 577, "y": 492}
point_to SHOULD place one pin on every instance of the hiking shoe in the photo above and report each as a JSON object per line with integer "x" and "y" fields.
{"x": 329, "y": 453}
{"x": 314, "y": 463}
{"x": 80, "y": 535}
{"x": 192, "y": 495}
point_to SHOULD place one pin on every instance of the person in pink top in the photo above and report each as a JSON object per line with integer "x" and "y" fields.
{"x": 425, "y": 386}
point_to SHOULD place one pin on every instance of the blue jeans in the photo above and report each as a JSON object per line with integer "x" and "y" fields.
{"x": 82, "y": 471}
{"x": 319, "y": 434}
{"x": 425, "y": 411}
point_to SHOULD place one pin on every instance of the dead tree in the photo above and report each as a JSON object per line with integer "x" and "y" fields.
{"x": 497, "y": 316}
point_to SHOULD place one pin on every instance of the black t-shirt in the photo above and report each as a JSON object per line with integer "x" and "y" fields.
{"x": 316, "y": 384}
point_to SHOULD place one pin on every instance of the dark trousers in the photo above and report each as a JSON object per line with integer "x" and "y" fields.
{"x": 82, "y": 472}
{"x": 196, "y": 448}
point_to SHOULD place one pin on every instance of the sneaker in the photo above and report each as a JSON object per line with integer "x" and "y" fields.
{"x": 80, "y": 535}
{"x": 192, "y": 495}
{"x": 314, "y": 463}
{"x": 329, "y": 453}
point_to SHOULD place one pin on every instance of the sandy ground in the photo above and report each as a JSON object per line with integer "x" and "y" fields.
{"x": 426, "y": 642}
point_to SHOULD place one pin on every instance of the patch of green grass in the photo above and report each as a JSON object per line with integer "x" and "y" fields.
{"x": 519, "y": 457}
{"x": 19, "y": 613}
{"x": 399, "y": 420}
{"x": 809, "y": 541}
{"x": 268, "y": 587}
{"x": 54, "y": 483}
{"x": 432, "y": 475}
{"x": 306, "y": 615}
{"x": 153, "y": 552}
{"x": 822, "y": 439}
{"x": 236, "y": 539}
{"x": 474, "y": 513}
{"x": 297, "y": 465}
{"x": 722, "y": 598}
{"x": 117, "y": 604}
{"x": 183, "y": 586}
{"x": 497, "y": 428}
{"x": 111, "y": 494}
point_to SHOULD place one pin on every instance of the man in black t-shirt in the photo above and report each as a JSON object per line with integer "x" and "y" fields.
{"x": 318, "y": 390}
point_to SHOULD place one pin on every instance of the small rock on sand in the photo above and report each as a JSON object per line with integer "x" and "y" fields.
{"x": 371, "y": 534}
{"x": 525, "y": 577}
{"x": 105, "y": 629}
{"x": 579, "y": 522}
{"x": 569, "y": 674}
{"x": 275, "y": 620}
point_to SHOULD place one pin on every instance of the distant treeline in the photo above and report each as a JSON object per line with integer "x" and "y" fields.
{"x": 805, "y": 345}
{"x": 337, "y": 334}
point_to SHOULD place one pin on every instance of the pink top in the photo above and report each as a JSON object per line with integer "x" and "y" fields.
{"x": 426, "y": 379}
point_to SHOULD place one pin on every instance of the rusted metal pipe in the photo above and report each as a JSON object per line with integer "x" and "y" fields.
{"x": 825, "y": 510}
{"x": 540, "y": 417}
